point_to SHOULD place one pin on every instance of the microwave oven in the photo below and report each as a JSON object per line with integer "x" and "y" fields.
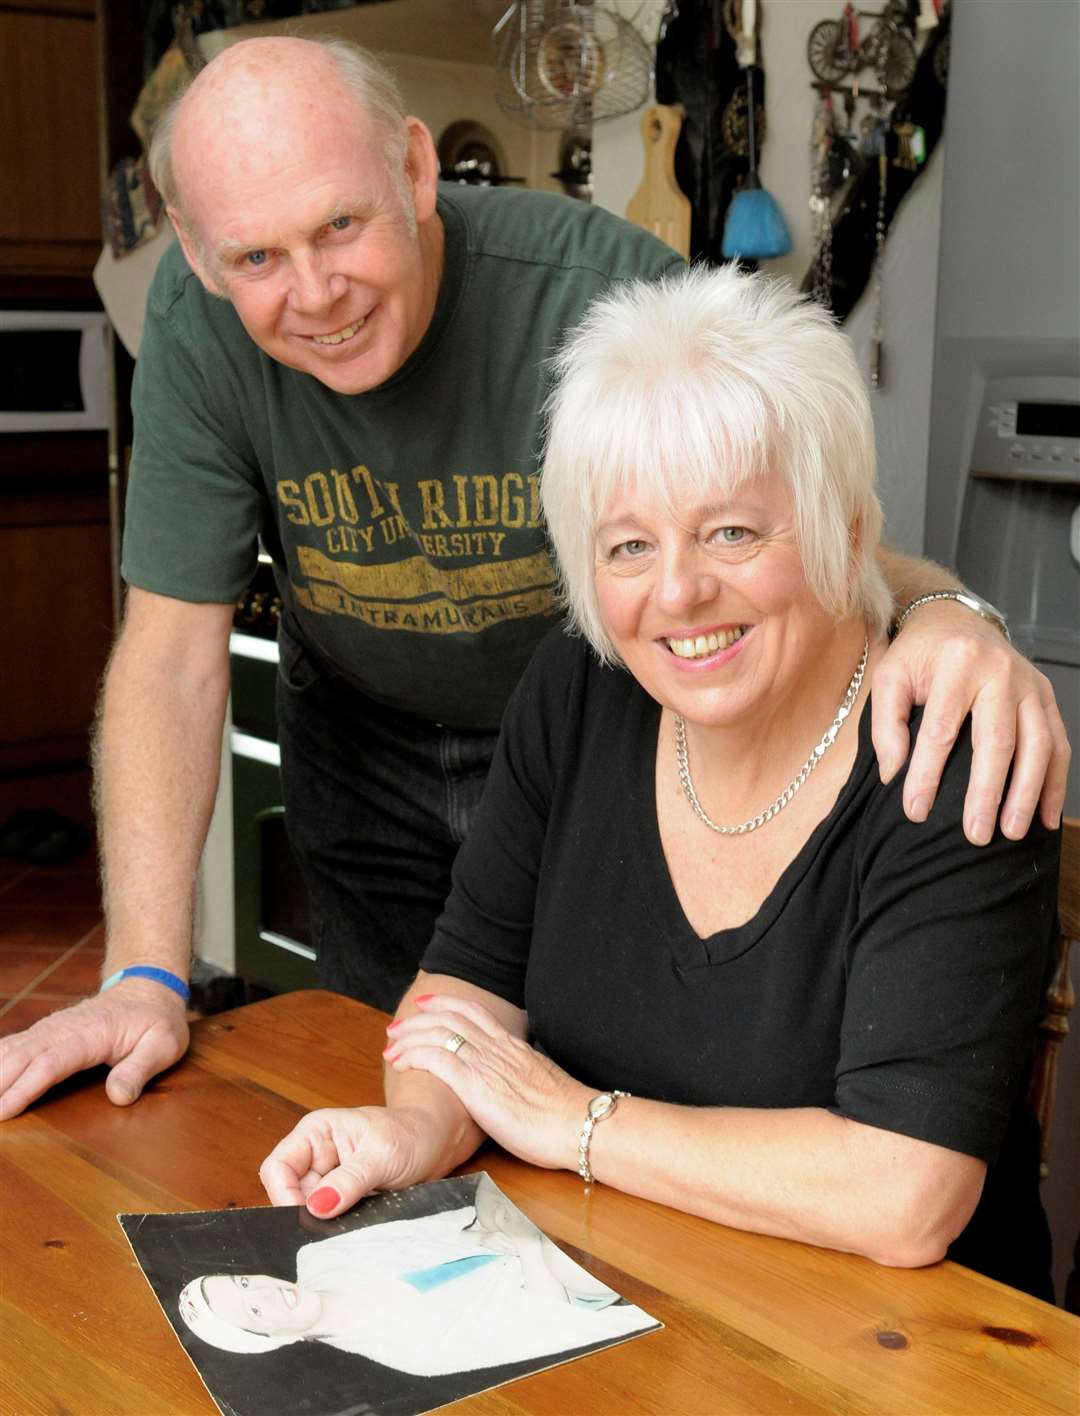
{"x": 54, "y": 371}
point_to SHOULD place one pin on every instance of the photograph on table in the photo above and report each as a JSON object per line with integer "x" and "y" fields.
{"x": 414, "y": 1299}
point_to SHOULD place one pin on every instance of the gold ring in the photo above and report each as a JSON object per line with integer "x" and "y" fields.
{"x": 454, "y": 1043}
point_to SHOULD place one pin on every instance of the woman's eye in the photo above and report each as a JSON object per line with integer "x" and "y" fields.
{"x": 732, "y": 535}
{"x": 629, "y": 549}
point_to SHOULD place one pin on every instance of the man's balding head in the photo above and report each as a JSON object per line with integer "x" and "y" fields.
{"x": 261, "y": 91}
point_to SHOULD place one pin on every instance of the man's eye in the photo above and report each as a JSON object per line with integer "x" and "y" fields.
{"x": 341, "y": 223}
{"x": 256, "y": 258}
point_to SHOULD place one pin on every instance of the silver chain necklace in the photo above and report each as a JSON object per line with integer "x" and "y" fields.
{"x": 828, "y": 738}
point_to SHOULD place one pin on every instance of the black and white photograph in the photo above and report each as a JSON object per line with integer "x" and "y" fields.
{"x": 413, "y": 1300}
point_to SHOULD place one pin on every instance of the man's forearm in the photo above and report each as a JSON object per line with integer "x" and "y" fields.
{"x": 908, "y": 577}
{"x": 157, "y": 758}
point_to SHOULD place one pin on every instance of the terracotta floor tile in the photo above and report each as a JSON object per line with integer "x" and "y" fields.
{"x": 19, "y": 967}
{"x": 79, "y": 974}
{"x": 27, "y": 1012}
{"x": 48, "y": 889}
{"x": 22, "y": 928}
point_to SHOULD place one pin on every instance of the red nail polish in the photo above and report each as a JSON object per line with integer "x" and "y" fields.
{"x": 324, "y": 1200}
{"x": 423, "y": 998}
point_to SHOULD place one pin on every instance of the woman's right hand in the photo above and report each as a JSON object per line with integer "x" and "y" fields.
{"x": 332, "y": 1158}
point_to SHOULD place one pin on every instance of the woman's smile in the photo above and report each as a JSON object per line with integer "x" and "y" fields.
{"x": 708, "y": 648}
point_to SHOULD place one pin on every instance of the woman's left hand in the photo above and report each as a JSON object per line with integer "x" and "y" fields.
{"x": 948, "y": 659}
{"x": 520, "y": 1098}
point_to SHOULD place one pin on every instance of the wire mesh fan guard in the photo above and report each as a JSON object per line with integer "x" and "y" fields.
{"x": 564, "y": 65}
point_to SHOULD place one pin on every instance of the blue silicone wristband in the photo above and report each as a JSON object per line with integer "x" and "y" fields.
{"x": 170, "y": 980}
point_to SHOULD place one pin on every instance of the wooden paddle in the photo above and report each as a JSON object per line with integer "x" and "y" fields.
{"x": 659, "y": 204}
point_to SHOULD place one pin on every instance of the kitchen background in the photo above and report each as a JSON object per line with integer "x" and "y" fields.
{"x": 974, "y": 296}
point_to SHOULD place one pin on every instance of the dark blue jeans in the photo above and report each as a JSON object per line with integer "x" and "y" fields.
{"x": 377, "y": 803}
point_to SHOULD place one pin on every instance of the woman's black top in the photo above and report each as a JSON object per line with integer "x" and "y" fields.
{"x": 894, "y": 974}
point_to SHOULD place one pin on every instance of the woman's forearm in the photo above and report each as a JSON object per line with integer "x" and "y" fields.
{"x": 450, "y": 1136}
{"x": 453, "y": 1134}
{"x": 801, "y": 1174}
{"x": 798, "y": 1173}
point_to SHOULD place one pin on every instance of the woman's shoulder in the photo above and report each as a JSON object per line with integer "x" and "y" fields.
{"x": 565, "y": 683}
{"x": 884, "y": 825}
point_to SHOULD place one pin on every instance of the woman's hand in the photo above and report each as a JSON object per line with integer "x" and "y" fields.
{"x": 955, "y": 663}
{"x": 521, "y": 1099}
{"x": 334, "y": 1157}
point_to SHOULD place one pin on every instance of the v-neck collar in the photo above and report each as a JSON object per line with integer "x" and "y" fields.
{"x": 689, "y": 950}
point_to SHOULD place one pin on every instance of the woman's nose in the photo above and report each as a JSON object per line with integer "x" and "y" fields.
{"x": 684, "y": 583}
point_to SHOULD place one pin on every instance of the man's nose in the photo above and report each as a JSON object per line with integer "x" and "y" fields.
{"x": 314, "y": 286}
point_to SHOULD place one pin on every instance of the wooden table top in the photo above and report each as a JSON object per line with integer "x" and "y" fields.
{"x": 753, "y": 1324}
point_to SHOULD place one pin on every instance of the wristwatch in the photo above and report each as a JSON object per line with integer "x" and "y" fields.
{"x": 971, "y": 601}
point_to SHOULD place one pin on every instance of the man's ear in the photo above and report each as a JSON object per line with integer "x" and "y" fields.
{"x": 422, "y": 169}
{"x": 193, "y": 253}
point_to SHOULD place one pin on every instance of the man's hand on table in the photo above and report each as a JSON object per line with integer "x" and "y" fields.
{"x": 137, "y": 1029}
{"x": 334, "y": 1157}
{"x": 955, "y": 663}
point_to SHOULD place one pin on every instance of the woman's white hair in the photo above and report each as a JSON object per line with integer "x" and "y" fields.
{"x": 369, "y": 81}
{"x": 689, "y": 387}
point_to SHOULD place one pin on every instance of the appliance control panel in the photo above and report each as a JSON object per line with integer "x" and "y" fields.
{"x": 1029, "y": 430}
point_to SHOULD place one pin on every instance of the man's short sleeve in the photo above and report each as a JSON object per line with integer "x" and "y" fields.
{"x": 195, "y": 497}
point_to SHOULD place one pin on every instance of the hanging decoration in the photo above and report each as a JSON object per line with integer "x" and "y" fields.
{"x": 755, "y": 228}
{"x": 861, "y": 171}
{"x": 561, "y": 65}
{"x": 697, "y": 67}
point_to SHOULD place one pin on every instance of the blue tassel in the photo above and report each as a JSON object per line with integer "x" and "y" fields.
{"x": 755, "y": 229}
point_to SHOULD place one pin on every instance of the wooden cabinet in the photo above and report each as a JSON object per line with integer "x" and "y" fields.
{"x": 49, "y": 172}
{"x": 54, "y": 547}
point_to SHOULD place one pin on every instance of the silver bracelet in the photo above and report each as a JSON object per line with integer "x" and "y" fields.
{"x": 978, "y": 606}
{"x": 599, "y": 1109}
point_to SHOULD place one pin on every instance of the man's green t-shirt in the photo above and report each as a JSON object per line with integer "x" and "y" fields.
{"x": 404, "y": 523}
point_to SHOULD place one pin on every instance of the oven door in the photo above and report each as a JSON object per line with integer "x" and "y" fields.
{"x": 273, "y": 928}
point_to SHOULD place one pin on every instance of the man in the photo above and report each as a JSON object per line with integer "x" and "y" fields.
{"x": 350, "y": 364}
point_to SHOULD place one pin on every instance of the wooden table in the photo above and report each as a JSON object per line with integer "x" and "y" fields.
{"x": 752, "y": 1324}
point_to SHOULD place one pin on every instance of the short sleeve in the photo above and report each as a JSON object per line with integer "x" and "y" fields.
{"x": 945, "y": 971}
{"x": 484, "y": 933}
{"x": 195, "y": 494}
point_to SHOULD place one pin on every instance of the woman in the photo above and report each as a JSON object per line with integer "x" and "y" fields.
{"x": 473, "y": 1287}
{"x": 688, "y": 882}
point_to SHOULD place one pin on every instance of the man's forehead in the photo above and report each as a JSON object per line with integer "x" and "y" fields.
{"x": 250, "y": 231}
{"x": 241, "y": 135}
